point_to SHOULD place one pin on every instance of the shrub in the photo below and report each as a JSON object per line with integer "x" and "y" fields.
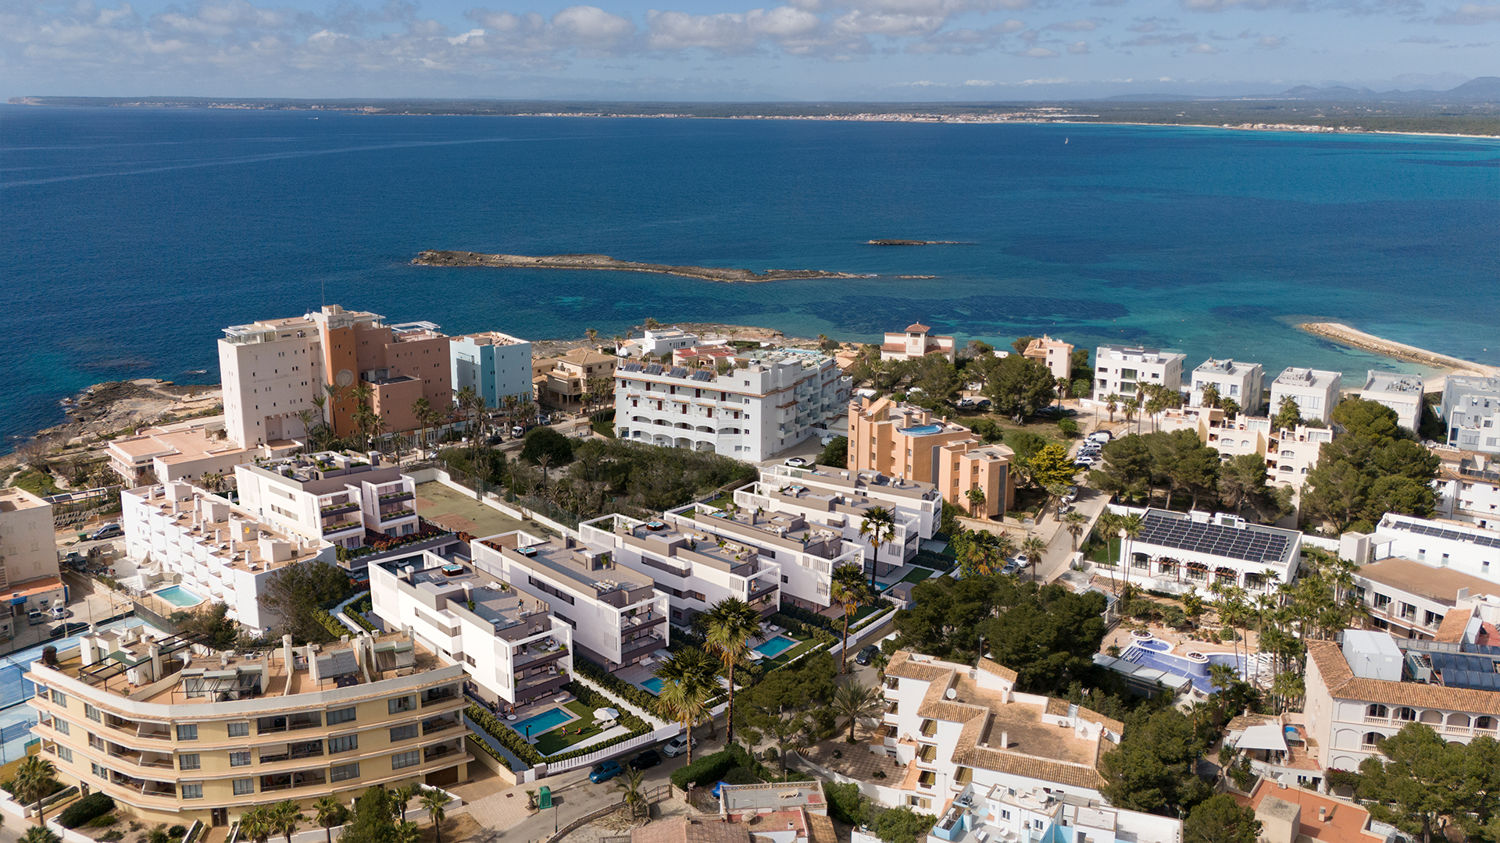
{"x": 94, "y": 805}
{"x": 102, "y": 821}
{"x": 739, "y": 775}
{"x": 332, "y": 626}
{"x": 708, "y": 768}
{"x": 845, "y": 803}
{"x": 1068, "y": 428}
{"x": 177, "y": 831}
{"x": 504, "y": 734}
{"x": 112, "y": 835}
{"x": 617, "y": 686}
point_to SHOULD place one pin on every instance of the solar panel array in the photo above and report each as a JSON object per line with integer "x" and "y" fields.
{"x": 1450, "y": 535}
{"x": 1464, "y": 670}
{"x": 1250, "y": 545}
{"x": 703, "y": 375}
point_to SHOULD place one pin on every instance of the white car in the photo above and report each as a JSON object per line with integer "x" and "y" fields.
{"x": 1021, "y": 560}
{"x": 797, "y": 462}
{"x": 1100, "y": 436}
{"x": 676, "y": 746}
{"x": 59, "y": 613}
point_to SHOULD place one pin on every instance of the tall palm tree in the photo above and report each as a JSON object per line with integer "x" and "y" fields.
{"x": 849, "y": 590}
{"x": 1131, "y": 525}
{"x": 1108, "y": 525}
{"x": 976, "y": 500}
{"x": 256, "y": 824}
{"x": 1112, "y": 403}
{"x": 630, "y": 783}
{"x": 1075, "y": 523}
{"x": 401, "y": 796}
{"x": 730, "y": 624}
{"x": 879, "y": 525}
{"x": 690, "y": 678}
{"x": 329, "y": 812}
{"x": 1055, "y": 493}
{"x": 421, "y": 410}
{"x": 434, "y": 800}
{"x": 35, "y": 780}
{"x": 1034, "y": 547}
{"x": 284, "y": 818}
{"x": 856, "y": 701}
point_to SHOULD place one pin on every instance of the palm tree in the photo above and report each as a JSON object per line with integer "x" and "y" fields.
{"x": 256, "y": 824}
{"x": 433, "y": 800}
{"x": 856, "y": 701}
{"x": 1055, "y": 493}
{"x": 879, "y": 525}
{"x": 976, "y": 500}
{"x": 592, "y": 334}
{"x": 212, "y": 481}
{"x": 1075, "y": 523}
{"x": 37, "y": 834}
{"x": 329, "y": 812}
{"x": 421, "y": 410}
{"x": 1112, "y": 403}
{"x": 730, "y": 624}
{"x": 1034, "y": 547}
{"x": 790, "y": 732}
{"x": 402, "y": 795}
{"x": 1108, "y": 524}
{"x": 1131, "y": 525}
{"x": 35, "y": 780}
{"x": 690, "y": 678}
{"x": 630, "y": 783}
{"x": 284, "y": 818}
{"x": 849, "y": 590}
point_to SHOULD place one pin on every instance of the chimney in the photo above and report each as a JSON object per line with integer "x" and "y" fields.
{"x": 312, "y": 664}
{"x": 1004, "y": 740}
{"x": 286, "y": 651}
{"x": 1323, "y": 815}
{"x": 154, "y": 651}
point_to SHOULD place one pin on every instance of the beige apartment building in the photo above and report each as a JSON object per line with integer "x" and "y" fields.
{"x": 910, "y": 443}
{"x": 174, "y": 732}
{"x": 917, "y": 341}
{"x": 28, "y": 558}
{"x": 564, "y": 380}
{"x": 1056, "y": 355}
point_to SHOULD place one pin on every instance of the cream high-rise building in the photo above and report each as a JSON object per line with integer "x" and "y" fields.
{"x": 28, "y": 558}
{"x": 175, "y": 732}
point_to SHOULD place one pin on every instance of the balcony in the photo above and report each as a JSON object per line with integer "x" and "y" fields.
{"x": 157, "y": 760}
{"x": 332, "y": 509}
{"x": 535, "y": 656}
{"x": 341, "y": 526}
{"x": 645, "y": 620}
{"x": 440, "y": 724}
{"x": 291, "y": 781}
{"x": 396, "y": 513}
{"x": 433, "y": 696}
{"x": 291, "y": 723}
{"x": 397, "y": 497}
{"x": 644, "y": 645}
{"x": 442, "y": 750}
{"x": 291, "y": 752}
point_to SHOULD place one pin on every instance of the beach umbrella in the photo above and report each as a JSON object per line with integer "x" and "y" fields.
{"x": 606, "y": 714}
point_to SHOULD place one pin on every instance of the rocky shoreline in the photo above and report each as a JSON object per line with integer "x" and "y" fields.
{"x": 888, "y": 241}
{"x": 1347, "y": 335}
{"x": 605, "y": 263}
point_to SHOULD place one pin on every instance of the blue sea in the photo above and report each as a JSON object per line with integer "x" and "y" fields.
{"x": 132, "y": 236}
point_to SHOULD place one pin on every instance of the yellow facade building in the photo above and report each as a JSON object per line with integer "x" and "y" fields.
{"x": 908, "y": 442}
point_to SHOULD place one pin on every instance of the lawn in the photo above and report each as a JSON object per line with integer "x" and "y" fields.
{"x": 564, "y": 736}
{"x": 722, "y": 501}
{"x": 456, "y": 511}
{"x": 917, "y": 575}
{"x": 604, "y": 427}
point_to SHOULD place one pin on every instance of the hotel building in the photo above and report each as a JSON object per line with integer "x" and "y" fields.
{"x": 771, "y": 401}
{"x": 917, "y": 341}
{"x": 1180, "y": 552}
{"x": 176, "y": 533}
{"x": 512, "y": 649}
{"x": 1468, "y": 487}
{"x": 184, "y": 450}
{"x": 1401, "y": 393}
{"x": 28, "y": 558}
{"x": 564, "y": 381}
{"x": 495, "y": 365}
{"x": 1056, "y": 355}
{"x": 1239, "y": 381}
{"x": 691, "y": 566}
{"x": 616, "y": 614}
{"x": 1122, "y": 371}
{"x": 175, "y": 732}
{"x": 1314, "y": 392}
{"x": 1471, "y": 413}
{"x": 333, "y": 497}
{"x": 907, "y": 442}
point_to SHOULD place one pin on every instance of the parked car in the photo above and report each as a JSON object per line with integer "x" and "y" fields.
{"x": 1010, "y": 568}
{"x": 1064, "y": 508}
{"x": 1071, "y": 495}
{"x": 1101, "y": 436}
{"x": 35, "y": 617}
{"x": 108, "y": 531}
{"x": 866, "y": 655}
{"x": 1021, "y": 560}
{"x": 675, "y": 746}
{"x": 605, "y": 770}
{"x": 59, "y": 613}
{"x": 797, "y": 462}
{"x": 647, "y": 759}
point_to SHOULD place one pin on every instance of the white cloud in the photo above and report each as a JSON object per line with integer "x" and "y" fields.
{"x": 1204, "y": 49}
{"x": 1471, "y": 13}
{"x": 979, "y": 83}
{"x": 1078, "y": 48}
{"x": 1039, "y": 53}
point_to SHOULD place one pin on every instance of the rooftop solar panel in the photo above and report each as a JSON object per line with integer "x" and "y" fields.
{"x": 1247, "y": 543}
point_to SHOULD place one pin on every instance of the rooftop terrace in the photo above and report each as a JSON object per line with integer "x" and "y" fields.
{"x": 581, "y": 567}
{"x": 233, "y": 537}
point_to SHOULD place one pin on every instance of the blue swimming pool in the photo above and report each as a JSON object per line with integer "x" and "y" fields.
{"x": 1153, "y": 653}
{"x": 775, "y": 646}
{"x": 178, "y": 596}
{"x": 539, "y": 723}
{"x": 922, "y": 430}
{"x": 653, "y": 685}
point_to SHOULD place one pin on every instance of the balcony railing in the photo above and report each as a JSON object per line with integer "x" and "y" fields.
{"x": 438, "y": 695}
{"x": 393, "y": 497}
{"x": 340, "y": 526}
{"x": 338, "y": 508}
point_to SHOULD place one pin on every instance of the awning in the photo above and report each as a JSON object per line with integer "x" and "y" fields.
{"x": 1262, "y": 736}
{"x": 606, "y": 714}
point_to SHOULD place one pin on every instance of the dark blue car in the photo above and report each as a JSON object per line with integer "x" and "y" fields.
{"x": 604, "y": 771}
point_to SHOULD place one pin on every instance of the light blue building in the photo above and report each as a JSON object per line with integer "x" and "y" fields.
{"x": 493, "y": 364}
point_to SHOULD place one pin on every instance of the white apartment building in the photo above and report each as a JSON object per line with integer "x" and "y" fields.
{"x": 1315, "y": 392}
{"x": 513, "y": 650}
{"x": 807, "y": 552}
{"x": 1005, "y": 814}
{"x": 1413, "y": 599}
{"x": 657, "y": 342}
{"x": 617, "y": 615}
{"x": 211, "y": 550}
{"x": 841, "y": 511}
{"x": 1289, "y": 453}
{"x": 28, "y": 558}
{"x": 1179, "y": 552}
{"x": 495, "y": 365}
{"x": 1369, "y": 686}
{"x": 692, "y": 567}
{"x": 907, "y": 497}
{"x": 271, "y": 371}
{"x": 1468, "y": 489}
{"x": 1056, "y": 355}
{"x": 961, "y": 732}
{"x": 1441, "y": 544}
{"x": 1119, "y": 370}
{"x": 1471, "y": 412}
{"x": 917, "y": 341}
{"x": 771, "y": 401}
{"x": 1234, "y": 379}
{"x": 331, "y": 496}
{"x": 1401, "y": 393}
{"x": 184, "y": 450}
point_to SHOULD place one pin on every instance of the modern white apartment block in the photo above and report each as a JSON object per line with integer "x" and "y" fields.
{"x": 769, "y": 402}
{"x": 917, "y": 341}
{"x": 184, "y": 450}
{"x": 1056, "y": 355}
{"x": 178, "y": 534}
{"x": 1120, "y": 370}
{"x": 1005, "y": 814}
{"x": 1468, "y": 487}
{"x": 1234, "y": 379}
{"x": 906, "y": 497}
{"x": 657, "y": 342}
{"x": 28, "y": 558}
{"x": 1315, "y": 392}
{"x": 1471, "y": 412}
{"x": 617, "y": 615}
{"x": 271, "y": 371}
{"x": 961, "y": 731}
{"x": 1412, "y": 599}
{"x": 512, "y": 649}
{"x": 1180, "y": 552}
{"x": 1368, "y": 687}
{"x": 694, "y": 568}
{"x": 1401, "y": 393}
{"x": 1441, "y": 544}
{"x": 496, "y": 366}
{"x": 807, "y": 552}
{"x": 330, "y": 496}
{"x": 176, "y": 733}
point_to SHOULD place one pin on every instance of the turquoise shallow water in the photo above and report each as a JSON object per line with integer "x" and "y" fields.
{"x": 133, "y": 236}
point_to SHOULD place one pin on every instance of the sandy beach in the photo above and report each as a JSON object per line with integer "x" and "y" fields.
{"x": 1346, "y": 335}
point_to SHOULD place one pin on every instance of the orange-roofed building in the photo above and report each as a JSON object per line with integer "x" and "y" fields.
{"x": 1056, "y": 355}
{"x": 917, "y": 341}
{"x": 1299, "y": 815}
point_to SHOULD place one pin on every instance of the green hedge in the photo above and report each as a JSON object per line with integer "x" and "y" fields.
{"x": 357, "y": 610}
{"x": 593, "y": 699}
{"x": 330, "y": 623}
{"x": 806, "y": 618}
{"x": 528, "y": 754}
{"x": 504, "y": 734}
{"x": 617, "y": 686}
{"x": 707, "y": 769}
{"x": 96, "y": 804}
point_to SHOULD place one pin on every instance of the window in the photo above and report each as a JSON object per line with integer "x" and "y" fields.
{"x": 91, "y": 713}
{"x": 188, "y": 761}
{"x": 60, "y": 725}
{"x": 1377, "y": 710}
{"x": 1404, "y": 713}
{"x": 239, "y": 730}
{"x": 64, "y": 753}
{"x": 101, "y": 772}
{"x": 187, "y": 732}
{"x": 59, "y": 697}
{"x": 243, "y": 787}
{"x": 406, "y": 759}
{"x": 343, "y": 743}
{"x": 404, "y": 733}
{"x": 340, "y": 715}
{"x": 239, "y": 758}
{"x": 396, "y": 705}
{"x": 192, "y": 791}
{"x": 344, "y": 772}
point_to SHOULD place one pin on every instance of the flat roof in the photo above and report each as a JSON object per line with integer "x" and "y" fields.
{"x": 1297, "y": 376}
{"x": 1437, "y": 584}
{"x": 1393, "y": 383}
{"x": 225, "y": 537}
{"x": 13, "y": 499}
{"x": 1247, "y": 542}
{"x": 571, "y": 563}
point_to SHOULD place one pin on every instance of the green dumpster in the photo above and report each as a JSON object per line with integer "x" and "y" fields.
{"x": 545, "y": 800}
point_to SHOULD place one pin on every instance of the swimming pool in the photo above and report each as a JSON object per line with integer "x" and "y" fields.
{"x": 179, "y": 596}
{"x": 539, "y": 723}
{"x": 1153, "y": 652}
{"x": 653, "y": 685}
{"x": 922, "y": 430}
{"x": 775, "y": 646}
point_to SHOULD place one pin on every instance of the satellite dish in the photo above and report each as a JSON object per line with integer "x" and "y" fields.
{"x": 951, "y": 694}
{"x": 344, "y": 377}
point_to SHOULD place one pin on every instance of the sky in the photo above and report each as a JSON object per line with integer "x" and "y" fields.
{"x": 735, "y": 50}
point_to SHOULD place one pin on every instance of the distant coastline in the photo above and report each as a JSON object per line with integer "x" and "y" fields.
{"x": 1347, "y": 335}
{"x": 605, "y": 263}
